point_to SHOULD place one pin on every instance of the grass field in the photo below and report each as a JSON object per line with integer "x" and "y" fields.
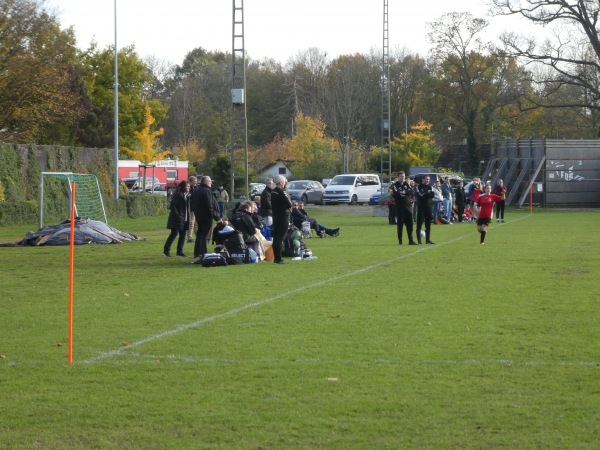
{"x": 372, "y": 346}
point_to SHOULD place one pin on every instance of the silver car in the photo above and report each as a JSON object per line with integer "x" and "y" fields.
{"x": 306, "y": 191}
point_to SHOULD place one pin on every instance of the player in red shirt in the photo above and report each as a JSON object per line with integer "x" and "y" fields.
{"x": 486, "y": 210}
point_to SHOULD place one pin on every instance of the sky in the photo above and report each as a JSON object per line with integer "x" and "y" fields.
{"x": 277, "y": 29}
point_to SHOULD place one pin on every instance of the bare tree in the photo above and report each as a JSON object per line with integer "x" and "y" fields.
{"x": 460, "y": 69}
{"x": 306, "y": 79}
{"x": 573, "y": 53}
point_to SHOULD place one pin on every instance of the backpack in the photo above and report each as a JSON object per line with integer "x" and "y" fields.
{"x": 306, "y": 231}
{"x": 293, "y": 242}
{"x": 213, "y": 260}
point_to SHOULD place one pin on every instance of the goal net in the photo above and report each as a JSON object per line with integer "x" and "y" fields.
{"x": 55, "y": 197}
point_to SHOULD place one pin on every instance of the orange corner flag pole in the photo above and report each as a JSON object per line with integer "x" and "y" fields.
{"x": 71, "y": 262}
{"x": 531, "y": 199}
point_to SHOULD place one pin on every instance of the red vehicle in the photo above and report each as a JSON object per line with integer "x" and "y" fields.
{"x": 168, "y": 171}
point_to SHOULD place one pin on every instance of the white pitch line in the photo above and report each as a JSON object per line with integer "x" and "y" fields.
{"x": 197, "y": 323}
{"x": 366, "y": 363}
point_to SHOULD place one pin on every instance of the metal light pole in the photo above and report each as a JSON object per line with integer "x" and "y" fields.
{"x": 116, "y": 101}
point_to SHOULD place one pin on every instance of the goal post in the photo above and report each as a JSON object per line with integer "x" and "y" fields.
{"x": 88, "y": 201}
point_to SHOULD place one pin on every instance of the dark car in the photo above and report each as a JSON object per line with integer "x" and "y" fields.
{"x": 376, "y": 198}
{"x": 306, "y": 191}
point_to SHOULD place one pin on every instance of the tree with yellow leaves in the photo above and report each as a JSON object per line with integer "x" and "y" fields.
{"x": 148, "y": 149}
{"x": 417, "y": 146}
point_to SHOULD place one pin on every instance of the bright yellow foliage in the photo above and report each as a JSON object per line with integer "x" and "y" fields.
{"x": 148, "y": 150}
{"x": 417, "y": 146}
{"x": 192, "y": 151}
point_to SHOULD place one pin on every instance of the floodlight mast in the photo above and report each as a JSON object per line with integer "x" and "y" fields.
{"x": 239, "y": 124}
{"x": 116, "y": 109}
{"x": 386, "y": 155}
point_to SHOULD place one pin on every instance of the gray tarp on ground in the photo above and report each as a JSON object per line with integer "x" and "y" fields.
{"x": 86, "y": 232}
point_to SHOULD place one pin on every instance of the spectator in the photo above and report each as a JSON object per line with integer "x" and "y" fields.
{"x": 266, "y": 210}
{"x": 424, "y": 195}
{"x": 299, "y": 215}
{"x": 205, "y": 208}
{"x": 403, "y": 193}
{"x": 468, "y": 214}
{"x": 179, "y": 218}
{"x": 437, "y": 197}
{"x": 281, "y": 206}
{"x": 222, "y": 199}
{"x": 486, "y": 202}
{"x": 448, "y": 199}
{"x": 500, "y": 190}
{"x": 244, "y": 222}
{"x": 460, "y": 201}
{"x": 192, "y": 230}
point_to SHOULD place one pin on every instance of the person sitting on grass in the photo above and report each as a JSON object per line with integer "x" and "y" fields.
{"x": 299, "y": 215}
{"x": 243, "y": 222}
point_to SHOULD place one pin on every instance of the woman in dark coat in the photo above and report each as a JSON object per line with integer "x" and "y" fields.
{"x": 179, "y": 218}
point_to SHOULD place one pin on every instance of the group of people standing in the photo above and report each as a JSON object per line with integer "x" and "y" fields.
{"x": 200, "y": 204}
{"x": 428, "y": 199}
{"x": 189, "y": 209}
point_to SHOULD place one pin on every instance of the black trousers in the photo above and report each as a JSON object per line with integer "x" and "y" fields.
{"x": 500, "y": 209}
{"x": 460, "y": 210}
{"x": 280, "y": 227}
{"x": 202, "y": 238}
{"x": 404, "y": 217}
{"x": 171, "y": 239}
{"x": 424, "y": 214}
{"x": 391, "y": 214}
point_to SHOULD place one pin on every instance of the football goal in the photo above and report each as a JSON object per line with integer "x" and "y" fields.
{"x": 55, "y": 190}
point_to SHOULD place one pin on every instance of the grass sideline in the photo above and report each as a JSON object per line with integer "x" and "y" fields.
{"x": 373, "y": 345}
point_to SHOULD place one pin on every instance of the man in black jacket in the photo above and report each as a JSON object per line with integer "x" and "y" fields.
{"x": 403, "y": 194}
{"x": 205, "y": 207}
{"x": 282, "y": 208}
{"x": 424, "y": 195}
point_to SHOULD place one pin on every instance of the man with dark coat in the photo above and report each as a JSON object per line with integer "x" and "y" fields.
{"x": 424, "y": 195}
{"x": 282, "y": 208}
{"x": 205, "y": 208}
{"x": 403, "y": 194}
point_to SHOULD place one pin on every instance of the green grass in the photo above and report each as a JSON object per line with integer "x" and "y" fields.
{"x": 372, "y": 346}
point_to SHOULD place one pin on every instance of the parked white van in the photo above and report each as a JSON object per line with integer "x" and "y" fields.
{"x": 351, "y": 188}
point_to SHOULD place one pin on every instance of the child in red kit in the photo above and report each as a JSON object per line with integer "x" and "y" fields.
{"x": 486, "y": 210}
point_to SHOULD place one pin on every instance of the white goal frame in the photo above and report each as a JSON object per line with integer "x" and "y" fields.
{"x": 69, "y": 176}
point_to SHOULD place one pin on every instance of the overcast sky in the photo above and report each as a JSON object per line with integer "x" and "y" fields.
{"x": 278, "y": 29}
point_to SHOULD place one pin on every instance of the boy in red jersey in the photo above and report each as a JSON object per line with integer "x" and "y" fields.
{"x": 486, "y": 204}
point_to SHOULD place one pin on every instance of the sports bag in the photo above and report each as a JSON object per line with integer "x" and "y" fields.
{"x": 213, "y": 260}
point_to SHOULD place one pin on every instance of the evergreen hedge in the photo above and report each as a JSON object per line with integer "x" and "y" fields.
{"x": 20, "y": 169}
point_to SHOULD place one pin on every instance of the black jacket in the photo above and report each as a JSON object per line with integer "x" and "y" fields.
{"x": 424, "y": 195}
{"x": 280, "y": 203}
{"x": 178, "y": 216}
{"x": 299, "y": 216}
{"x": 265, "y": 202}
{"x": 242, "y": 221}
{"x": 459, "y": 196}
{"x": 402, "y": 193}
{"x": 204, "y": 204}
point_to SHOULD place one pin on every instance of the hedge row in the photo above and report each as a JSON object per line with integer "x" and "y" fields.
{"x": 20, "y": 169}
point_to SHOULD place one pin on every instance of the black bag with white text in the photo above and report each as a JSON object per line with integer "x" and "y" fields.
{"x": 213, "y": 260}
